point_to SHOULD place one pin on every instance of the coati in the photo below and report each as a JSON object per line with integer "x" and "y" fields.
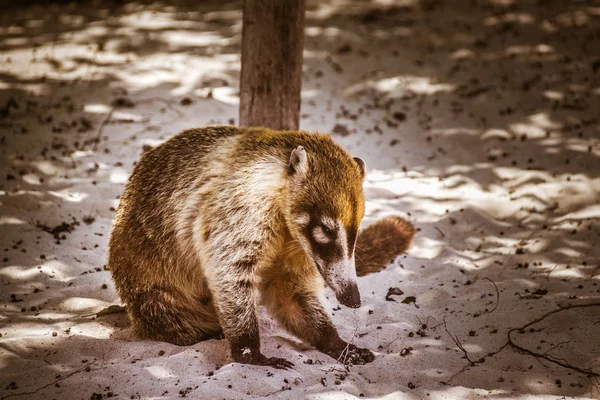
{"x": 217, "y": 220}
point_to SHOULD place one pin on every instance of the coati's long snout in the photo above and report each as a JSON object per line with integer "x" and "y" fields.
{"x": 349, "y": 296}
{"x": 341, "y": 278}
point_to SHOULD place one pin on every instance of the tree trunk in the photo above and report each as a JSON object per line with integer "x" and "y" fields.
{"x": 271, "y": 76}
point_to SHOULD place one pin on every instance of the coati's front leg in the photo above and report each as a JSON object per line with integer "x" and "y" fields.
{"x": 235, "y": 296}
{"x": 294, "y": 302}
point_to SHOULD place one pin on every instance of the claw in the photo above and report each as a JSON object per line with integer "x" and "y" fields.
{"x": 256, "y": 358}
{"x": 279, "y": 363}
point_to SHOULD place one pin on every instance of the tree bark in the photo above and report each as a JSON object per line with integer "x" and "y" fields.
{"x": 271, "y": 76}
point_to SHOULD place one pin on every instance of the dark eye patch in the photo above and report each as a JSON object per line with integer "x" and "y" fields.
{"x": 329, "y": 251}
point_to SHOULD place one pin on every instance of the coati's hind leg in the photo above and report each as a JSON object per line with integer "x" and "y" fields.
{"x": 296, "y": 306}
{"x": 163, "y": 313}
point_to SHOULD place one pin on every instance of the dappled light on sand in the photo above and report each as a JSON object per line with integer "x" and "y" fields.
{"x": 478, "y": 121}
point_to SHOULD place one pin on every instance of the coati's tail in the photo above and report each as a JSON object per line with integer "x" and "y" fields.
{"x": 379, "y": 243}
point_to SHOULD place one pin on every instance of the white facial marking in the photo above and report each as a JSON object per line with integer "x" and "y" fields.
{"x": 341, "y": 272}
{"x": 329, "y": 223}
{"x": 320, "y": 236}
{"x": 341, "y": 275}
{"x": 302, "y": 219}
{"x": 342, "y": 241}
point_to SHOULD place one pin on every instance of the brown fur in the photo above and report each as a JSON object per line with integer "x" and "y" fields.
{"x": 379, "y": 243}
{"x": 207, "y": 228}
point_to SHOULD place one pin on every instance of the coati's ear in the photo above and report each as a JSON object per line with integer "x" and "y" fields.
{"x": 298, "y": 161}
{"x": 361, "y": 166}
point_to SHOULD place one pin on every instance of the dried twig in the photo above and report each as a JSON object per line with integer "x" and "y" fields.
{"x": 106, "y": 120}
{"x": 552, "y": 270}
{"x": 390, "y": 343}
{"x": 558, "y": 344}
{"x": 563, "y": 363}
{"x": 96, "y": 140}
{"x": 426, "y": 320}
{"x": 458, "y": 343}
{"x": 463, "y": 369}
{"x": 346, "y": 352}
{"x": 480, "y": 361}
{"x": 545, "y": 356}
{"x": 440, "y": 231}
{"x": 433, "y": 328}
{"x": 54, "y": 382}
{"x": 164, "y": 101}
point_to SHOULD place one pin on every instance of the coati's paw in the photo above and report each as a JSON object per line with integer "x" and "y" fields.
{"x": 353, "y": 355}
{"x": 259, "y": 359}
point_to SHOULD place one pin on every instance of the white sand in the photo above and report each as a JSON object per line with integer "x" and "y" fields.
{"x": 481, "y": 85}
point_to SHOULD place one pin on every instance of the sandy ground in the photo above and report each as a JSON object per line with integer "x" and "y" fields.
{"x": 478, "y": 120}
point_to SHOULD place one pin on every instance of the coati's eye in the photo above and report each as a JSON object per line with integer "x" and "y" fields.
{"x": 322, "y": 234}
{"x": 328, "y": 231}
{"x": 329, "y": 227}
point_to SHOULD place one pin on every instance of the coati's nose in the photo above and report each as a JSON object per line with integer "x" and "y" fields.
{"x": 350, "y": 296}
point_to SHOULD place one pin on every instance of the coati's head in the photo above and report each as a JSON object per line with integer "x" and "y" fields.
{"x": 326, "y": 205}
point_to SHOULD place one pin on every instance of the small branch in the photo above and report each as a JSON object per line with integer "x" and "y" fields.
{"x": 552, "y": 270}
{"x": 493, "y": 353}
{"x": 563, "y": 363}
{"x": 164, "y": 101}
{"x": 497, "y": 294}
{"x": 553, "y": 347}
{"x": 458, "y": 343}
{"x": 426, "y": 320}
{"x": 480, "y": 361}
{"x": 433, "y": 328}
{"x": 440, "y": 231}
{"x": 346, "y": 352}
{"x": 51, "y": 383}
{"x": 344, "y": 355}
{"x": 96, "y": 140}
{"x": 545, "y": 356}
{"x": 106, "y": 120}
{"x": 466, "y": 367}
{"x": 549, "y": 313}
{"x": 390, "y": 343}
